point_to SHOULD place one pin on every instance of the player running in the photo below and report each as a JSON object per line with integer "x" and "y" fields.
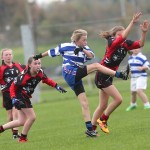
{"x": 21, "y": 90}
{"x": 8, "y": 71}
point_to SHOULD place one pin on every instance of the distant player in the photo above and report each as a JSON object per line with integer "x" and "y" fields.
{"x": 138, "y": 66}
{"x": 8, "y": 71}
{"x": 21, "y": 90}
{"x": 116, "y": 49}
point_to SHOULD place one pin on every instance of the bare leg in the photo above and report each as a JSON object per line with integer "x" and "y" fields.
{"x": 85, "y": 106}
{"x": 142, "y": 95}
{"x": 15, "y": 123}
{"x": 30, "y": 118}
{"x": 15, "y": 116}
{"x": 98, "y": 67}
{"x": 117, "y": 99}
{"x": 103, "y": 97}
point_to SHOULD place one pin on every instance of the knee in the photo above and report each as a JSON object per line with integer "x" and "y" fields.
{"x": 119, "y": 100}
{"x": 21, "y": 122}
{"x": 97, "y": 65}
{"x": 33, "y": 118}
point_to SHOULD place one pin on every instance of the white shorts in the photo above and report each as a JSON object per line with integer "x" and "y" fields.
{"x": 138, "y": 83}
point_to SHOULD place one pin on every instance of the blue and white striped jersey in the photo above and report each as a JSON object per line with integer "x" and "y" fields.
{"x": 67, "y": 52}
{"x": 136, "y": 61}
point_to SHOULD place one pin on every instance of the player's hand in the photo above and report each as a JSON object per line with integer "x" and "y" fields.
{"x": 17, "y": 103}
{"x": 36, "y": 57}
{"x": 60, "y": 89}
{"x": 136, "y": 17}
{"x": 77, "y": 50}
{"x": 123, "y": 75}
{"x": 145, "y": 26}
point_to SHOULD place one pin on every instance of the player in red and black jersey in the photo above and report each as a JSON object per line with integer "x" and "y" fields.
{"x": 21, "y": 91}
{"x": 8, "y": 71}
{"x": 116, "y": 49}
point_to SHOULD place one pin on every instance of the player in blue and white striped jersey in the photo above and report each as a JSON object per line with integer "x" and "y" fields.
{"x": 138, "y": 65}
{"x": 75, "y": 54}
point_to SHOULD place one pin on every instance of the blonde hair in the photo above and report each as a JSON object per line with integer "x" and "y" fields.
{"x": 5, "y": 49}
{"x": 76, "y": 35}
{"x": 112, "y": 32}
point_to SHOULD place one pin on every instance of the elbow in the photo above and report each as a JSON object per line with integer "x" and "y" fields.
{"x": 141, "y": 44}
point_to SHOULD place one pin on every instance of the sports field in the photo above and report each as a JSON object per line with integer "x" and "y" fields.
{"x": 60, "y": 125}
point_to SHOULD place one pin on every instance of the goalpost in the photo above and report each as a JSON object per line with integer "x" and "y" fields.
{"x": 29, "y": 50}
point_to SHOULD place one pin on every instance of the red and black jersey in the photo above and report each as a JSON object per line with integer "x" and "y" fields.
{"x": 25, "y": 83}
{"x": 116, "y": 50}
{"x": 8, "y": 73}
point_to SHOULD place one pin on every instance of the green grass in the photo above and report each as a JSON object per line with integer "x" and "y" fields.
{"x": 60, "y": 125}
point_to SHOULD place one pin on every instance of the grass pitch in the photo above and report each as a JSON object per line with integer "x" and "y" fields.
{"x": 60, "y": 126}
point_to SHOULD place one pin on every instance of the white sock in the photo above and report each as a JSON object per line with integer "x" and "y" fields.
{"x": 133, "y": 104}
{"x": 147, "y": 104}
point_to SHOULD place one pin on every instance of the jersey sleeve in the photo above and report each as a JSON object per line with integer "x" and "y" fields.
{"x": 48, "y": 81}
{"x": 130, "y": 45}
{"x": 13, "y": 89}
{"x": 1, "y": 76}
{"x": 54, "y": 51}
{"x": 91, "y": 51}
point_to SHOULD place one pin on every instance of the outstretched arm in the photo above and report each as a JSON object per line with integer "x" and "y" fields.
{"x": 129, "y": 27}
{"x": 144, "y": 28}
{"x": 38, "y": 56}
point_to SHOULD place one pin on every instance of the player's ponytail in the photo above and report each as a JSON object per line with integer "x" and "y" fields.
{"x": 112, "y": 32}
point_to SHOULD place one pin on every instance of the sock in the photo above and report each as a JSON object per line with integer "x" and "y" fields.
{"x": 146, "y": 104}
{"x": 1, "y": 129}
{"x": 15, "y": 132}
{"x": 133, "y": 104}
{"x": 23, "y": 136}
{"x": 104, "y": 117}
{"x": 88, "y": 125}
{"x": 94, "y": 127}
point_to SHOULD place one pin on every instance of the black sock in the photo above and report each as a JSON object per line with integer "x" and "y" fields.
{"x": 89, "y": 125}
{"x": 15, "y": 132}
{"x": 1, "y": 129}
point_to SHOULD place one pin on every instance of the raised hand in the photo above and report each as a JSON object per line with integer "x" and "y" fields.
{"x": 136, "y": 17}
{"x": 145, "y": 26}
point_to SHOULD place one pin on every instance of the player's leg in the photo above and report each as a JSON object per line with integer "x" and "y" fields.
{"x": 133, "y": 84}
{"x": 15, "y": 117}
{"x": 30, "y": 118}
{"x": 141, "y": 86}
{"x": 80, "y": 93}
{"x": 14, "y": 123}
{"x": 117, "y": 100}
{"x": 103, "y": 103}
{"x": 98, "y": 67}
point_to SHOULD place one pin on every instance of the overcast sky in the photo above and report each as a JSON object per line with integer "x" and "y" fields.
{"x": 47, "y": 1}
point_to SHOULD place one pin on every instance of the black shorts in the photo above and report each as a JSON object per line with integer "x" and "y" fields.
{"x": 7, "y": 102}
{"x": 25, "y": 100}
{"x": 103, "y": 80}
{"x": 81, "y": 73}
